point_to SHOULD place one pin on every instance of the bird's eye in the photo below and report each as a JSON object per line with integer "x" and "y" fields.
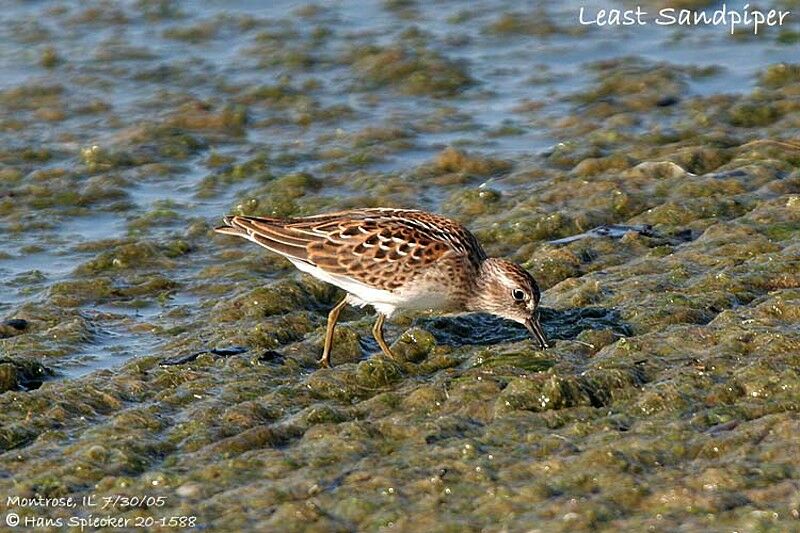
{"x": 518, "y": 295}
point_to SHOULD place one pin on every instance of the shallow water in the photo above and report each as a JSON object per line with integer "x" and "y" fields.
{"x": 127, "y": 129}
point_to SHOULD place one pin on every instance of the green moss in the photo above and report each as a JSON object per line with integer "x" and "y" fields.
{"x": 591, "y": 166}
{"x": 473, "y": 202}
{"x": 148, "y": 286}
{"x": 158, "y": 9}
{"x": 325, "y": 414}
{"x": 333, "y": 385}
{"x": 201, "y": 116}
{"x": 788, "y": 37}
{"x": 135, "y": 255}
{"x": 8, "y": 377}
{"x": 452, "y": 160}
{"x": 167, "y": 141}
{"x": 413, "y": 345}
{"x": 75, "y": 293}
{"x": 276, "y": 299}
{"x": 346, "y": 346}
{"x": 382, "y": 136}
{"x": 31, "y": 96}
{"x": 154, "y": 217}
{"x": 377, "y": 372}
{"x": 537, "y": 24}
{"x": 97, "y": 159}
{"x": 49, "y": 58}
{"x": 216, "y": 160}
{"x": 412, "y": 71}
{"x": 674, "y": 351}
{"x": 198, "y": 33}
{"x": 780, "y": 75}
{"x": 782, "y": 231}
{"x": 526, "y": 360}
{"x": 40, "y": 155}
{"x": 282, "y": 95}
{"x": 753, "y": 115}
{"x": 399, "y": 5}
{"x": 256, "y": 168}
{"x": 597, "y": 339}
{"x": 631, "y": 85}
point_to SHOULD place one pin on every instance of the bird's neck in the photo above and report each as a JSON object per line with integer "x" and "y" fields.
{"x": 481, "y": 289}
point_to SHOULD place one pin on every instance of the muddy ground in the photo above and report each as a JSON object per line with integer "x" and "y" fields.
{"x": 669, "y": 401}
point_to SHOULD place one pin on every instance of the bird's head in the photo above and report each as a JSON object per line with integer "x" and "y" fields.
{"x": 507, "y": 290}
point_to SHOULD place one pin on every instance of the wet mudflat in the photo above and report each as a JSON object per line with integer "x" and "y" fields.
{"x": 654, "y": 194}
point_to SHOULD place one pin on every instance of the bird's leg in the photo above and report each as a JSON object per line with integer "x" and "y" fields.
{"x": 333, "y": 316}
{"x": 377, "y": 332}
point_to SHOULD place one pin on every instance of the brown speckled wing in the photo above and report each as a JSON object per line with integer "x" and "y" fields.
{"x": 383, "y": 248}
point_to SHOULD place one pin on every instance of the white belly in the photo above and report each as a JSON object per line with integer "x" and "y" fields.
{"x": 384, "y": 302}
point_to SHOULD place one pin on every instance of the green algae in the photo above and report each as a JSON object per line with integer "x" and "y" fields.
{"x": 413, "y": 345}
{"x": 50, "y": 58}
{"x": 416, "y": 72}
{"x": 635, "y": 86}
{"x": 201, "y": 116}
{"x": 21, "y": 374}
{"x": 277, "y": 299}
{"x": 197, "y": 33}
{"x": 132, "y": 255}
{"x": 668, "y": 401}
{"x": 536, "y": 24}
{"x": 780, "y": 75}
{"x": 454, "y": 161}
{"x": 31, "y": 97}
{"x": 752, "y": 115}
{"x": 162, "y": 214}
{"x": 377, "y": 372}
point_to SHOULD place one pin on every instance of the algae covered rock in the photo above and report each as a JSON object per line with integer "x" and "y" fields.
{"x": 8, "y": 377}
{"x": 377, "y": 372}
{"x": 544, "y": 392}
{"x": 410, "y": 71}
{"x": 668, "y": 399}
{"x": 413, "y": 345}
{"x": 333, "y": 384}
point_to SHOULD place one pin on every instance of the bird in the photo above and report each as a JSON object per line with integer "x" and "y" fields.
{"x": 397, "y": 259}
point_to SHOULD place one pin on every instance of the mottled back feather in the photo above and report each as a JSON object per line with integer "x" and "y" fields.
{"x": 382, "y": 248}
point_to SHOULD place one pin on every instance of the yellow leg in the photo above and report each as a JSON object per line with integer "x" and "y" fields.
{"x": 377, "y": 332}
{"x": 333, "y": 316}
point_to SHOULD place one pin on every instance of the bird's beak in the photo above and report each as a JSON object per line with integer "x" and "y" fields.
{"x": 536, "y": 330}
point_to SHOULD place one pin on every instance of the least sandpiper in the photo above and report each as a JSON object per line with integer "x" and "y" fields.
{"x": 397, "y": 259}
